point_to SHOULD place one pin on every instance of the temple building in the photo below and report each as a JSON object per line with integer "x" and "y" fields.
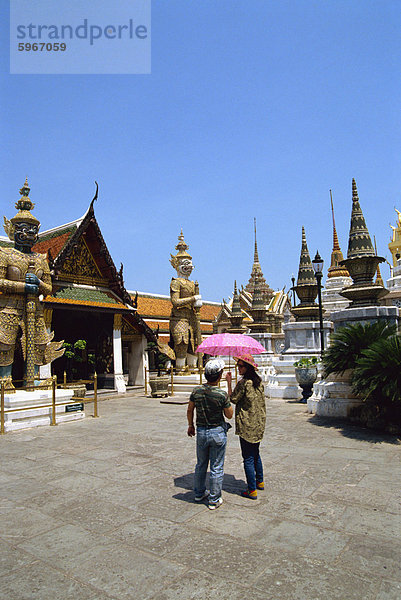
{"x": 255, "y": 308}
{"x": 89, "y": 302}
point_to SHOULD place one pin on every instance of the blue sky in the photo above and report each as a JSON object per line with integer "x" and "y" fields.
{"x": 252, "y": 109}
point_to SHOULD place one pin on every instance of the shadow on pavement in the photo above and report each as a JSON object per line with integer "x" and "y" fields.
{"x": 231, "y": 485}
{"x": 355, "y": 432}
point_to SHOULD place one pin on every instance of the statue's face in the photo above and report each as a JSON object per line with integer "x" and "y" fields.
{"x": 26, "y": 234}
{"x": 185, "y": 267}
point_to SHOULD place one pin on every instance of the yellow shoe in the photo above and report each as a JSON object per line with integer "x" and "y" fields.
{"x": 253, "y": 495}
{"x": 260, "y": 485}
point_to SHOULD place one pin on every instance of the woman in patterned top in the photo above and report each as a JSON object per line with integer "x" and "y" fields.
{"x": 250, "y": 420}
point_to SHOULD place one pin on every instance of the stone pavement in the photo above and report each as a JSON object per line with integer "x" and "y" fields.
{"x": 103, "y": 509}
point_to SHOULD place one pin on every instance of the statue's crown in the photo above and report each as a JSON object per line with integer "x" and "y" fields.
{"x": 182, "y": 248}
{"x": 24, "y": 206}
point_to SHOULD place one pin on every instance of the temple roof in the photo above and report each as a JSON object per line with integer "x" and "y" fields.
{"x": 157, "y": 305}
{"x": 155, "y": 310}
{"x": 86, "y": 296}
{"x": 83, "y": 272}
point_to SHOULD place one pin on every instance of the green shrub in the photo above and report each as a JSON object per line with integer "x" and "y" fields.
{"x": 348, "y": 343}
{"x": 377, "y": 373}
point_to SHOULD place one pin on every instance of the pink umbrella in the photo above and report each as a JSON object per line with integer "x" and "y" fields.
{"x": 230, "y": 344}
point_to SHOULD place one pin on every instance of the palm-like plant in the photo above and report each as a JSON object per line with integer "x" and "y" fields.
{"x": 377, "y": 373}
{"x": 348, "y": 343}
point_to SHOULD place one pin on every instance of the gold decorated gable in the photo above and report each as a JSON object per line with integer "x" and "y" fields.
{"x": 128, "y": 332}
{"x": 81, "y": 267}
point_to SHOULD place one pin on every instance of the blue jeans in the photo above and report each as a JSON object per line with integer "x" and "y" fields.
{"x": 252, "y": 463}
{"x": 210, "y": 447}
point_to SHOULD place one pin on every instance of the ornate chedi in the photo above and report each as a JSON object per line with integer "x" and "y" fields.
{"x": 258, "y": 310}
{"x": 337, "y": 275}
{"x": 361, "y": 261}
{"x": 236, "y": 316}
{"x": 24, "y": 279}
{"x": 257, "y": 273}
{"x": 185, "y": 333}
{"x": 306, "y": 288}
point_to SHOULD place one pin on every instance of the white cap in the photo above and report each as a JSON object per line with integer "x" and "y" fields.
{"x": 214, "y": 366}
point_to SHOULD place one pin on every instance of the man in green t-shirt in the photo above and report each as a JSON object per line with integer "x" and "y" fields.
{"x": 211, "y": 404}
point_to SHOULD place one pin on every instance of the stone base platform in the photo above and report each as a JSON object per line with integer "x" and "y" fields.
{"x": 32, "y": 416}
{"x": 333, "y": 397}
{"x": 282, "y": 384}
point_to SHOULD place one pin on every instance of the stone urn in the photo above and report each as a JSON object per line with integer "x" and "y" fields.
{"x": 306, "y": 377}
{"x": 159, "y": 385}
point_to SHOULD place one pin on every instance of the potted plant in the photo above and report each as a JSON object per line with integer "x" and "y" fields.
{"x": 306, "y": 375}
{"x": 158, "y": 381}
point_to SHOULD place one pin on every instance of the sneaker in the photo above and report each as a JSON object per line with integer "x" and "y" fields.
{"x": 214, "y": 505}
{"x": 260, "y": 485}
{"x": 252, "y": 495}
{"x": 204, "y": 495}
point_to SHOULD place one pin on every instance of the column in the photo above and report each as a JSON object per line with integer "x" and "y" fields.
{"x": 119, "y": 383}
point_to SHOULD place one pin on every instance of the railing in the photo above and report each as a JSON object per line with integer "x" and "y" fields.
{"x": 176, "y": 379}
{"x": 53, "y": 406}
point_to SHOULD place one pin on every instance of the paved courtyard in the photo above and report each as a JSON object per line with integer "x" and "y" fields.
{"x": 103, "y": 509}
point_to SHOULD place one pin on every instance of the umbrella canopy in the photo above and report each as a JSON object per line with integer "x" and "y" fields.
{"x": 230, "y": 344}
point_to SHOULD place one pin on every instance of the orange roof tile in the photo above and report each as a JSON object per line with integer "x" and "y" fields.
{"x": 54, "y": 244}
{"x": 161, "y": 307}
{"x": 158, "y": 307}
{"x": 208, "y": 312}
{"x": 164, "y": 325}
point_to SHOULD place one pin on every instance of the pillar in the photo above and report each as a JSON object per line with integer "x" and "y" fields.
{"x": 119, "y": 383}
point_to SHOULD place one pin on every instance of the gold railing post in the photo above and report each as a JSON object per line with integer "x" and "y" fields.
{"x": 54, "y": 384}
{"x": 172, "y": 380}
{"x": 2, "y": 410}
{"x": 95, "y": 414}
{"x": 64, "y": 379}
{"x": 236, "y": 373}
{"x": 200, "y": 374}
{"x": 146, "y": 381}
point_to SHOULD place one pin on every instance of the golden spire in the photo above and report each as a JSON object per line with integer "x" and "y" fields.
{"x": 335, "y": 270}
{"x": 255, "y": 255}
{"x": 336, "y": 245}
{"x": 395, "y": 243}
{"x": 257, "y": 272}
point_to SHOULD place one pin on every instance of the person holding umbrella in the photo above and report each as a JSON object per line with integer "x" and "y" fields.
{"x": 250, "y": 420}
